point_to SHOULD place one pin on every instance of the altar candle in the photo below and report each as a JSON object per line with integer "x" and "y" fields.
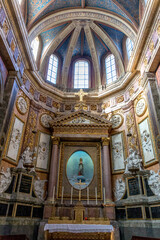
{"x": 71, "y": 194}
{"x": 80, "y": 195}
{"x": 62, "y": 195}
{"x": 96, "y": 194}
{"x": 53, "y": 193}
{"x": 87, "y": 195}
{"x": 104, "y": 195}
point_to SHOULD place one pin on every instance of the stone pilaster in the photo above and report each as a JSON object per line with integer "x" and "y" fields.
{"x": 53, "y": 167}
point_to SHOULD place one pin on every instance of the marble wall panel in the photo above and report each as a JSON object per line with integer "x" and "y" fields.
{"x": 43, "y": 153}
{"x": 15, "y": 139}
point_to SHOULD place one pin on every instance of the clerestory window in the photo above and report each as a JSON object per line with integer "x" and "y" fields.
{"x": 110, "y": 65}
{"x": 129, "y": 47}
{"x": 52, "y": 69}
{"x": 81, "y": 74}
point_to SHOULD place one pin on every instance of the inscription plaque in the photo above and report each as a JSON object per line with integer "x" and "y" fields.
{"x": 133, "y": 186}
{"x": 26, "y": 183}
{"x": 155, "y": 212}
{"x": 148, "y": 190}
{"x": 134, "y": 213}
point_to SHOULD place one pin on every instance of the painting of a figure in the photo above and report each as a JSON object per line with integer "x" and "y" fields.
{"x": 80, "y": 169}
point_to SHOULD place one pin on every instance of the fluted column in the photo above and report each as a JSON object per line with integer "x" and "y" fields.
{"x": 53, "y": 167}
{"x": 107, "y": 183}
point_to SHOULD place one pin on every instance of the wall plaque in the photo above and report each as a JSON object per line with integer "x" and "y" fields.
{"x": 133, "y": 186}
{"x": 134, "y": 213}
{"x": 26, "y": 184}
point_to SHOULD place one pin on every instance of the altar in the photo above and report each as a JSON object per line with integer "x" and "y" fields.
{"x": 78, "y": 231}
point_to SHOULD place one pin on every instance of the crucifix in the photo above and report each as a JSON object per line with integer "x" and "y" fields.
{"x": 80, "y": 184}
{"x": 81, "y": 94}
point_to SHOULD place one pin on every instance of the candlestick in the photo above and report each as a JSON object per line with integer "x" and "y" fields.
{"x": 87, "y": 195}
{"x": 80, "y": 195}
{"x": 71, "y": 194}
{"x": 96, "y": 194}
{"x": 62, "y": 195}
{"x": 53, "y": 193}
{"x": 104, "y": 195}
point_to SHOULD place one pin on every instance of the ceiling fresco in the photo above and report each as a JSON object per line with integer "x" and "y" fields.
{"x": 37, "y": 9}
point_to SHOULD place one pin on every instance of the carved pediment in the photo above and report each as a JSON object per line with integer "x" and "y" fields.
{"x": 80, "y": 118}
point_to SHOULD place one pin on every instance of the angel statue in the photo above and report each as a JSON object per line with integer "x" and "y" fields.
{"x": 133, "y": 162}
{"x": 39, "y": 188}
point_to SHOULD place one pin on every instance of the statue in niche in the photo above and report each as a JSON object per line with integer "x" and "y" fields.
{"x": 5, "y": 180}
{"x": 27, "y": 159}
{"x": 39, "y": 188}
{"x": 133, "y": 162}
{"x": 119, "y": 189}
{"x": 154, "y": 182}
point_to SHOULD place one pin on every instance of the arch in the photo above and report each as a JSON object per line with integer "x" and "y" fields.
{"x": 84, "y": 14}
{"x": 107, "y": 40}
{"x": 54, "y": 44}
{"x": 81, "y": 74}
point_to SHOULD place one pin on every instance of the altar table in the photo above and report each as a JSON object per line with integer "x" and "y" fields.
{"x": 78, "y": 231}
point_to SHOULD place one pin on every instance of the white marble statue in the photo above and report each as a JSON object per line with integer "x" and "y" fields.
{"x": 154, "y": 182}
{"x": 133, "y": 162}
{"x": 119, "y": 189}
{"x": 5, "y": 179}
{"x": 39, "y": 188}
{"x": 27, "y": 158}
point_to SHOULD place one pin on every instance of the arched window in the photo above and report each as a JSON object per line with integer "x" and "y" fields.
{"x": 34, "y": 47}
{"x": 129, "y": 47}
{"x": 81, "y": 74}
{"x": 110, "y": 69}
{"x": 52, "y": 69}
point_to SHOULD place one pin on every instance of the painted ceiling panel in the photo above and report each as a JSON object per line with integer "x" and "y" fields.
{"x": 132, "y": 7}
{"x": 49, "y": 35}
{"x": 115, "y": 35}
{"x": 101, "y": 50}
{"x": 86, "y": 47}
{"x": 59, "y": 4}
{"x": 62, "y": 51}
{"x": 77, "y": 50}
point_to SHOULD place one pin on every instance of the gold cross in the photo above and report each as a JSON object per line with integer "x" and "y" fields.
{"x": 81, "y": 94}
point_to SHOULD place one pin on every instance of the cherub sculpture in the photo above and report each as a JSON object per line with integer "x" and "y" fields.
{"x": 133, "y": 162}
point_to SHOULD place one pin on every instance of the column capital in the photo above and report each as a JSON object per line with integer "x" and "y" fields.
{"x": 105, "y": 141}
{"x": 55, "y": 140}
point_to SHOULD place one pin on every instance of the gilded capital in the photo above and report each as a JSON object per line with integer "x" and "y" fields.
{"x": 105, "y": 141}
{"x": 55, "y": 140}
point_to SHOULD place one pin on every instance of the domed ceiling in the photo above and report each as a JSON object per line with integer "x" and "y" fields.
{"x": 84, "y": 28}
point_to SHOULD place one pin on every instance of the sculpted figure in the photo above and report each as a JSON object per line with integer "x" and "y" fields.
{"x": 5, "y": 180}
{"x": 119, "y": 189}
{"x": 39, "y": 188}
{"x": 154, "y": 182}
{"x": 27, "y": 158}
{"x": 133, "y": 162}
